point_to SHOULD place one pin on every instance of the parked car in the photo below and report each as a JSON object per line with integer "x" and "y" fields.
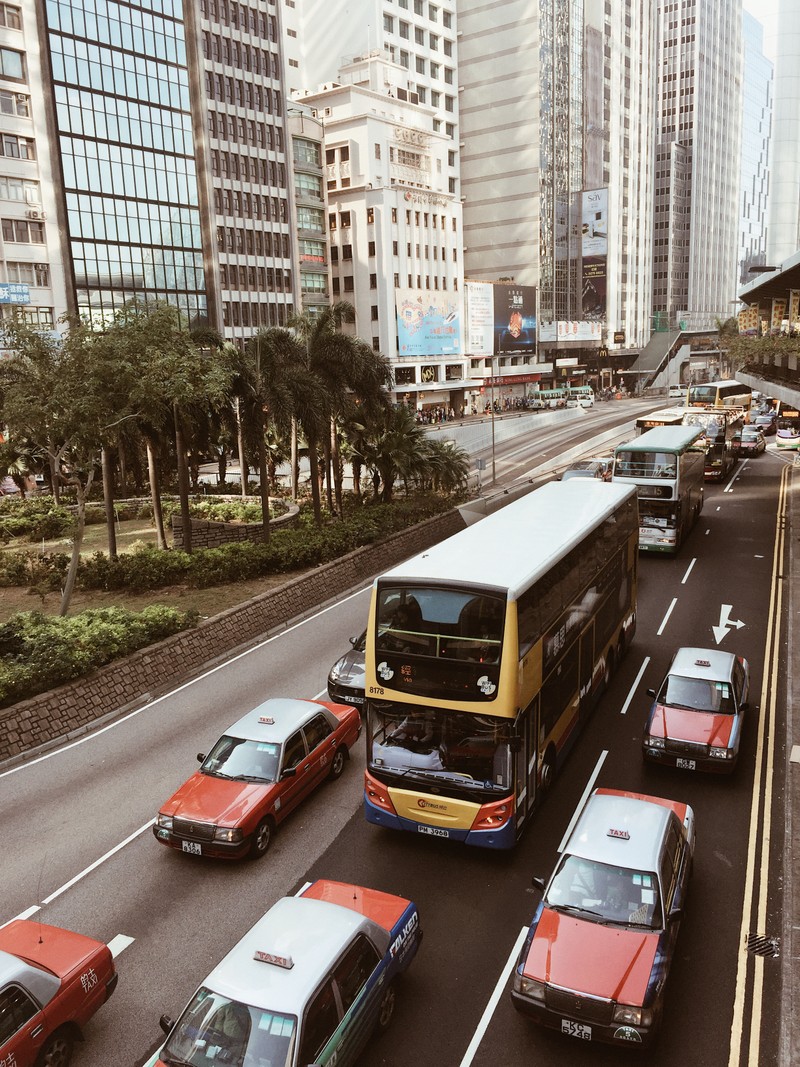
{"x": 600, "y": 467}
{"x": 695, "y": 722}
{"x": 255, "y": 775}
{"x": 598, "y": 951}
{"x": 52, "y": 981}
{"x": 346, "y": 677}
{"x": 308, "y": 984}
{"x": 751, "y": 441}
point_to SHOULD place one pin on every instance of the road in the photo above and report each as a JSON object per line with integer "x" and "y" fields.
{"x": 78, "y": 847}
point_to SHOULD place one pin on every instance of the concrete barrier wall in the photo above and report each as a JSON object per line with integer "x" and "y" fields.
{"x": 49, "y": 717}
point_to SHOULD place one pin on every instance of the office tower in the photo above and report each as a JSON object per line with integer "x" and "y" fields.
{"x": 756, "y": 123}
{"x": 32, "y": 280}
{"x": 697, "y": 161}
{"x": 783, "y": 213}
{"x": 309, "y": 210}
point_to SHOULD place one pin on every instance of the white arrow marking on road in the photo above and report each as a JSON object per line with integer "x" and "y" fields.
{"x": 725, "y": 622}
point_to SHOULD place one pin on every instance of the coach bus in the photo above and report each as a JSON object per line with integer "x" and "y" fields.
{"x": 486, "y": 653}
{"x": 787, "y": 427}
{"x": 664, "y": 417}
{"x": 667, "y": 465}
{"x": 725, "y": 394}
{"x": 722, "y": 430}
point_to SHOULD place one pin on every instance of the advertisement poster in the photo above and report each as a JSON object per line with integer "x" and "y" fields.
{"x": 748, "y": 321}
{"x": 778, "y": 315}
{"x": 794, "y": 310}
{"x": 480, "y": 318}
{"x": 514, "y": 318}
{"x": 428, "y": 324}
{"x": 594, "y": 252}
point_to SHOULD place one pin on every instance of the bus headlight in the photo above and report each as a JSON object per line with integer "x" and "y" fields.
{"x": 529, "y": 987}
{"x": 719, "y": 753}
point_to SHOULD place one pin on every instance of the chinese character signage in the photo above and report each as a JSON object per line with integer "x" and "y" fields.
{"x": 428, "y": 324}
{"x": 778, "y": 314}
{"x": 14, "y": 293}
{"x": 748, "y": 320}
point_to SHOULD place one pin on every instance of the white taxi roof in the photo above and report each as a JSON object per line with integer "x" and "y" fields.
{"x": 707, "y": 663}
{"x": 40, "y": 983}
{"x": 622, "y": 830}
{"x": 312, "y": 933}
{"x": 287, "y": 714}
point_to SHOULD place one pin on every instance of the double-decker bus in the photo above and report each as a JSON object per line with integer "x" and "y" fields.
{"x": 667, "y": 465}
{"x": 787, "y": 427}
{"x": 725, "y": 394}
{"x": 722, "y": 428}
{"x": 486, "y": 653}
{"x": 664, "y": 417}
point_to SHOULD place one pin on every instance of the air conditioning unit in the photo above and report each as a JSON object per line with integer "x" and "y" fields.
{"x": 36, "y": 213}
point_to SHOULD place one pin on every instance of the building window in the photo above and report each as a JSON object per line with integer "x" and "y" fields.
{"x": 420, "y": 65}
{"x": 449, "y": 103}
{"x": 433, "y": 12}
{"x": 404, "y": 29}
{"x": 371, "y": 248}
{"x": 403, "y": 59}
{"x": 388, "y": 24}
{"x": 419, "y": 35}
{"x": 376, "y": 344}
{"x": 10, "y": 16}
{"x": 347, "y": 251}
{"x": 447, "y": 20}
{"x": 348, "y": 283}
{"x": 447, "y": 47}
{"x": 422, "y": 94}
{"x": 370, "y": 215}
{"x": 394, "y": 214}
{"x": 435, "y": 98}
{"x": 335, "y": 287}
{"x": 374, "y": 313}
{"x": 14, "y": 103}
{"x": 19, "y": 189}
{"x": 11, "y": 64}
{"x": 373, "y": 281}
{"x": 397, "y": 281}
{"x": 377, "y": 150}
{"x": 419, "y": 7}
{"x": 20, "y": 231}
{"x": 448, "y": 75}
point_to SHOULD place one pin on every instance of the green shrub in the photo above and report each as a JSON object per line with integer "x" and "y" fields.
{"x": 39, "y": 652}
{"x": 36, "y": 518}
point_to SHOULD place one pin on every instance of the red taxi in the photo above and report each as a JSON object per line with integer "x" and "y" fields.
{"x": 598, "y": 952}
{"x": 52, "y": 981}
{"x": 255, "y": 775}
{"x": 696, "y": 719}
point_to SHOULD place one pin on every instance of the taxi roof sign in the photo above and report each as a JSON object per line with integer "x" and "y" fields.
{"x": 702, "y": 663}
{"x": 267, "y": 720}
{"x": 268, "y": 957}
{"x": 622, "y": 835}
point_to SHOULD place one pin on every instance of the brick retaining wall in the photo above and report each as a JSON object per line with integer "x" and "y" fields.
{"x": 208, "y": 534}
{"x": 157, "y": 668}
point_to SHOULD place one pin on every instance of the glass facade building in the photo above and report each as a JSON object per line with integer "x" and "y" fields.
{"x": 120, "y": 82}
{"x": 756, "y": 126}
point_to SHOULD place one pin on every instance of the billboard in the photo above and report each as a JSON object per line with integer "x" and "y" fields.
{"x": 514, "y": 318}
{"x": 428, "y": 324}
{"x": 480, "y": 318}
{"x": 594, "y": 252}
{"x": 748, "y": 320}
{"x": 571, "y": 331}
{"x": 14, "y": 293}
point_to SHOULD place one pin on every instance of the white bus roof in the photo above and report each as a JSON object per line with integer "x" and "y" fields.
{"x": 721, "y": 385}
{"x": 662, "y": 439}
{"x": 516, "y": 545}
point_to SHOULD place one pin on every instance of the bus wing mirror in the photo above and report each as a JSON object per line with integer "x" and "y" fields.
{"x": 538, "y": 883}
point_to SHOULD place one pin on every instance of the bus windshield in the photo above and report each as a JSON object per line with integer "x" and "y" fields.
{"x": 461, "y": 750}
{"x": 636, "y": 464}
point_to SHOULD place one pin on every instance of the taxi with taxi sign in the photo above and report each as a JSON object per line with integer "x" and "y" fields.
{"x": 695, "y": 722}
{"x": 598, "y": 952}
{"x": 255, "y": 775}
{"x": 308, "y": 984}
{"x": 52, "y": 981}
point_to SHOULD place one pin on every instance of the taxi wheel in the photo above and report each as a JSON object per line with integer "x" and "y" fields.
{"x": 338, "y": 762}
{"x": 57, "y": 1050}
{"x": 386, "y": 1010}
{"x": 262, "y": 839}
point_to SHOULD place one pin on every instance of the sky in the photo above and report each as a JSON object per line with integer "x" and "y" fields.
{"x": 766, "y": 11}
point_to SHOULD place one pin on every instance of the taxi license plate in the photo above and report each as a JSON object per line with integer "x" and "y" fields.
{"x": 576, "y": 1029}
{"x": 685, "y": 764}
{"x": 193, "y": 847}
{"x": 434, "y": 831}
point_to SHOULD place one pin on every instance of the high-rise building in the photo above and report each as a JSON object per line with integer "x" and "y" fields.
{"x": 697, "y": 151}
{"x": 32, "y": 281}
{"x": 756, "y": 125}
{"x": 783, "y": 213}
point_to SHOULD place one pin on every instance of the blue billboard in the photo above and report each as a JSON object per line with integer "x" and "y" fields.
{"x": 428, "y": 324}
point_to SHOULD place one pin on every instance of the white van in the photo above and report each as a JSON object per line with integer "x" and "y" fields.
{"x": 677, "y": 392}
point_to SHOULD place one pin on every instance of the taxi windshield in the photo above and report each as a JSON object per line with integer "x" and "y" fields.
{"x": 601, "y": 892}
{"x": 697, "y": 694}
{"x": 237, "y": 757}
{"x": 214, "y": 1030}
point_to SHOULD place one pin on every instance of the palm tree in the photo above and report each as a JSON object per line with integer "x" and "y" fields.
{"x": 392, "y": 446}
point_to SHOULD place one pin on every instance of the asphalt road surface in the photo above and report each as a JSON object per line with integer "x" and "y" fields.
{"x": 78, "y": 845}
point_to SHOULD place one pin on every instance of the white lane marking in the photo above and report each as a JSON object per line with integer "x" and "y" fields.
{"x": 708, "y": 531}
{"x": 688, "y": 571}
{"x": 303, "y": 888}
{"x": 93, "y": 866}
{"x": 719, "y": 508}
{"x": 589, "y": 787}
{"x": 486, "y": 1018}
{"x": 119, "y": 944}
{"x": 729, "y": 487}
{"x": 664, "y": 621}
{"x": 636, "y": 681}
{"x": 321, "y": 693}
{"x": 22, "y": 915}
{"x": 180, "y": 688}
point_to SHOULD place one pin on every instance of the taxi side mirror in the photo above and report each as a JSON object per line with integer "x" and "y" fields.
{"x": 354, "y": 641}
{"x": 200, "y": 757}
{"x": 166, "y": 1023}
{"x": 288, "y": 772}
{"x": 651, "y": 692}
{"x": 538, "y": 883}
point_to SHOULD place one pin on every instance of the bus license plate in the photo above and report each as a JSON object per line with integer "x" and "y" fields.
{"x": 193, "y": 847}
{"x": 576, "y": 1029}
{"x": 434, "y": 831}
{"x": 685, "y": 764}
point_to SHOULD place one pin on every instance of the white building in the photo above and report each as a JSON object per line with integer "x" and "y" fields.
{"x": 31, "y": 257}
{"x": 783, "y": 223}
{"x": 395, "y": 227}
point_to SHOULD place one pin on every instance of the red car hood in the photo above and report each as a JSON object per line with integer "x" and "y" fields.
{"x": 203, "y": 798}
{"x": 50, "y": 947}
{"x": 702, "y": 727}
{"x": 603, "y": 961}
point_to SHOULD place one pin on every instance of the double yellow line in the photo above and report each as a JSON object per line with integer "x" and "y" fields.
{"x": 750, "y": 968}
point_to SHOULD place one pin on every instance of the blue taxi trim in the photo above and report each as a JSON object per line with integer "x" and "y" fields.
{"x": 503, "y": 836}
